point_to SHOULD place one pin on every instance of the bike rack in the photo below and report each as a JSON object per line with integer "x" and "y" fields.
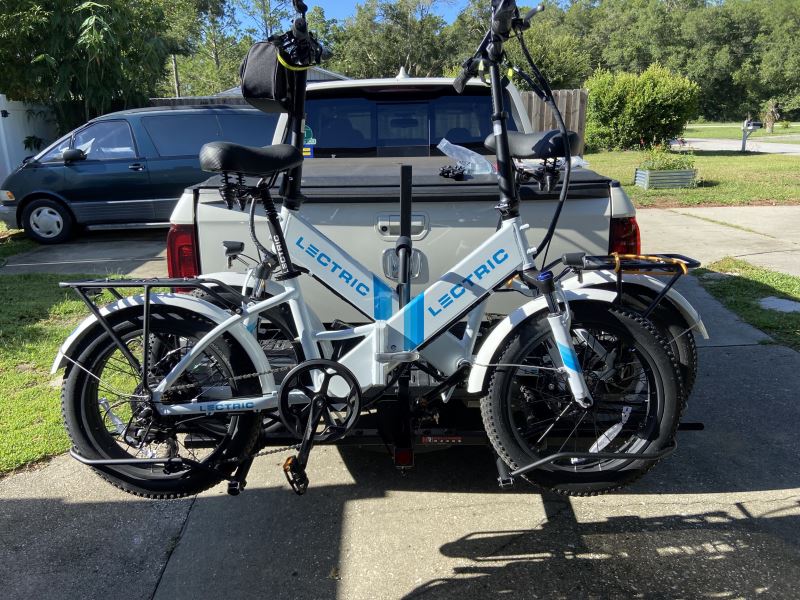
{"x": 506, "y": 478}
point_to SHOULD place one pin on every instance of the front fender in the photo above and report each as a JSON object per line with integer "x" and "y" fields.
{"x": 91, "y": 327}
{"x": 494, "y": 342}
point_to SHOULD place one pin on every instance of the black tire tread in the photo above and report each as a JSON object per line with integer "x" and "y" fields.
{"x": 489, "y": 419}
{"x": 133, "y": 489}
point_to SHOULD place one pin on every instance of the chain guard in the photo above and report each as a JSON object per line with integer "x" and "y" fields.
{"x": 309, "y": 382}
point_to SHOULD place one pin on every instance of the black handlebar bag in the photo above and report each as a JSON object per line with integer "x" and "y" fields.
{"x": 266, "y": 84}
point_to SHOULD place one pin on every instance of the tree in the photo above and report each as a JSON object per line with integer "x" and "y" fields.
{"x": 84, "y": 60}
{"x": 216, "y": 54}
{"x": 268, "y": 16}
{"x": 383, "y": 36}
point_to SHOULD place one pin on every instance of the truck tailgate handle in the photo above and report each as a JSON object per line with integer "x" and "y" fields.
{"x": 391, "y": 264}
{"x": 389, "y": 225}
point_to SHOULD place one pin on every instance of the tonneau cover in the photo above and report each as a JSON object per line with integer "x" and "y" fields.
{"x": 378, "y": 180}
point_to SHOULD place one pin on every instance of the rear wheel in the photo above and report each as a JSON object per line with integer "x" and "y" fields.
{"x": 529, "y": 412}
{"x": 108, "y": 416}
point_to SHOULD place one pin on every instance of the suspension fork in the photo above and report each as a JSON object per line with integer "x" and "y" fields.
{"x": 559, "y": 321}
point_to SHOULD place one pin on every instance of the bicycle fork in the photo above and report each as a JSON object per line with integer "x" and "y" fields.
{"x": 559, "y": 321}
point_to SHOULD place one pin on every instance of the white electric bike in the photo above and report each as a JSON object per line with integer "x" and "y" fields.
{"x": 167, "y": 393}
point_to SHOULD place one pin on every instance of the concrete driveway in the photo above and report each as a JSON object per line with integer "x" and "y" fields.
{"x": 138, "y": 253}
{"x": 720, "y": 518}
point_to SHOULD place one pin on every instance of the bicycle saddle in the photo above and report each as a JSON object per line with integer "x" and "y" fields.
{"x": 538, "y": 145}
{"x": 219, "y": 157}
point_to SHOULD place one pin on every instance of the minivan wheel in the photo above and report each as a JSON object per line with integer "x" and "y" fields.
{"x": 47, "y": 221}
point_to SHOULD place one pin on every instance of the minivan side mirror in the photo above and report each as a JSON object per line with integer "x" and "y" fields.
{"x": 73, "y": 154}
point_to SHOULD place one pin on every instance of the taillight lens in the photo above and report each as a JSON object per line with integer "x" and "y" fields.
{"x": 182, "y": 251}
{"x": 624, "y": 237}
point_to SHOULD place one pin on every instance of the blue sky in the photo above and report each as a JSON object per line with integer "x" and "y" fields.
{"x": 340, "y": 9}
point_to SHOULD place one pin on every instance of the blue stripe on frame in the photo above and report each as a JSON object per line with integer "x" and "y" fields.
{"x": 569, "y": 358}
{"x": 414, "y": 322}
{"x": 382, "y": 295}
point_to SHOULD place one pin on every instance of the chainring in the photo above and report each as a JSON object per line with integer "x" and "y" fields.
{"x": 325, "y": 381}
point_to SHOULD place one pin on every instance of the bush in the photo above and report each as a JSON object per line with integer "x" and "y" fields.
{"x": 659, "y": 158}
{"x": 785, "y": 124}
{"x": 626, "y": 110}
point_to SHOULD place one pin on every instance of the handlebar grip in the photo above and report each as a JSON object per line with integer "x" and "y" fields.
{"x": 460, "y": 82}
{"x": 503, "y": 18}
{"x": 573, "y": 259}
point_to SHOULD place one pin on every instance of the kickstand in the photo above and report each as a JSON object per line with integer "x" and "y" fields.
{"x": 295, "y": 466}
{"x": 237, "y": 484}
{"x": 504, "y": 478}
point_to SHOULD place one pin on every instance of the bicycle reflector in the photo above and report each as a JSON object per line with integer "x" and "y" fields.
{"x": 624, "y": 236}
{"x": 182, "y": 251}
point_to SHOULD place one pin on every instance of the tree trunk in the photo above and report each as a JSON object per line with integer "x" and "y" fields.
{"x": 175, "y": 75}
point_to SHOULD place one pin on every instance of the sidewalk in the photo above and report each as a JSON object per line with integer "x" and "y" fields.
{"x": 766, "y": 236}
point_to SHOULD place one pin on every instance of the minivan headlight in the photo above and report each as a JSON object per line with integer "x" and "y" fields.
{"x": 6, "y": 196}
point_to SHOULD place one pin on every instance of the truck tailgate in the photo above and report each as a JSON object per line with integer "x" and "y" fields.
{"x": 355, "y": 202}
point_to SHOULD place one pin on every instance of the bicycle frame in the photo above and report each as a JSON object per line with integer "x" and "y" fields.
{"x": 394, "y": 336}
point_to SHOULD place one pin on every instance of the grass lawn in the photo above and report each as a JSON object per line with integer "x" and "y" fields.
{"x": 733, "y": 131}
{"x": 35, "y": 317}
{"x": 12, "y": 242}
{"x": 724, "y": 179}
{"x": 743, "y": 285}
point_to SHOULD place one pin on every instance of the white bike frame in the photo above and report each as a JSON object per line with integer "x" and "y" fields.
{"x": 395, "y": 335}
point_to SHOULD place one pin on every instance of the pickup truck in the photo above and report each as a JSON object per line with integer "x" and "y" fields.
{"x": 358, "y": 133}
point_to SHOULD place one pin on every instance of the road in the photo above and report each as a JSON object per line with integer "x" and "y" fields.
{"x": 713, "y": 144}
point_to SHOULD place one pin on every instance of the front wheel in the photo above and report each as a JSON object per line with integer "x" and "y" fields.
{"x": 108, "y": 415}
{"x": 529, "y": 412}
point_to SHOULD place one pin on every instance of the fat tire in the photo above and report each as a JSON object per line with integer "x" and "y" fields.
{"x": 648, "y": 340}
{"x": 84, "y": 433}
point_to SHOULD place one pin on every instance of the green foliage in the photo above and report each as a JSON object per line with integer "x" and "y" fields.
{"x": 659, "y": 158}
{"x": 385, "y": 35}
{"x": 81, "y": 60}
{"x": 785, "y": 124}
{"x": 218, "y": 46}
{"x": 626, "y": 110}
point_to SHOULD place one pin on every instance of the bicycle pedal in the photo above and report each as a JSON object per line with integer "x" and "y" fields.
{"x": 235, "y": 488}
{"x": 296, "y": 475}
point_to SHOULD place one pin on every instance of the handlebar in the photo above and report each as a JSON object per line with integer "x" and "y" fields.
{"x": 505, "y": 19}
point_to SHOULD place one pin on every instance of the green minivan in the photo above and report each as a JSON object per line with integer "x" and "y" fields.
{"x": 123, "y": 169}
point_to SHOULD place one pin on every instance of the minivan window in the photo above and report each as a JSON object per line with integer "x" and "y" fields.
{"x": 254, "y": 129}
{"x": 182, "y": 135}
{"x": 105, "y": 140}
{"x": 54, "y": 152}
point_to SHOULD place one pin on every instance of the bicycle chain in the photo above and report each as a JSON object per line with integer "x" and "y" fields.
{"x": 187, "y": 386}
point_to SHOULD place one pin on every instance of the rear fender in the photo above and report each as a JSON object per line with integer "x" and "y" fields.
{"x": 490, "y": 349}
{"x": 650, "y": 286}
{"x": 90, "y": 328}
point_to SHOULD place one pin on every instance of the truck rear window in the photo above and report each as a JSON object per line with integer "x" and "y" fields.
{"x": 376, "y": 127}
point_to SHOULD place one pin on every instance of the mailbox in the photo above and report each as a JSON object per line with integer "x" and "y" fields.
{"x": 748, "y": 127}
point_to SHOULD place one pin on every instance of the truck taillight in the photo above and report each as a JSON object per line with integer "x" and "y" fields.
{"x": 182, "y": 251}
{"x": 624, "y": 236}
